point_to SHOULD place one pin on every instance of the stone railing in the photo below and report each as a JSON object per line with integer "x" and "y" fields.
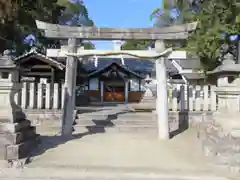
{"x": 181, "y": 97}
{"x": 40, "y": 96}
{"x": 191, "y": 98}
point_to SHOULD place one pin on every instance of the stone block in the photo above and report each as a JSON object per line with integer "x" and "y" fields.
{"x": 23, "y": 150}
{"x": 19, "y": 137}
{"x": 3, "y": 152}
{"x": 14, "y": 127}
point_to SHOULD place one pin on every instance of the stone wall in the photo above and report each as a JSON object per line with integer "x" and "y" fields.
{"x": 44, "y": 117}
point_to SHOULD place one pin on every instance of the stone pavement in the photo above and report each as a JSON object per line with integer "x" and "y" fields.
{"x": 70, "y": 174}
{"x": 118, "y": 156}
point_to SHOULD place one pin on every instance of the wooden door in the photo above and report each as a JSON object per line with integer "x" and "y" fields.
{"x": 114, "y": 96}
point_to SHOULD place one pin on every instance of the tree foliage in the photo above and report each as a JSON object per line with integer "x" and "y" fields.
{"x": 169, "y": 14}
{"x": 75, "y": 13}
{"x": 18, "y": 20}
{"x": 135, "y": 45}
{"x": 217, "y": 20}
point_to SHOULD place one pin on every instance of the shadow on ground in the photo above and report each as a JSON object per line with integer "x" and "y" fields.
{"x": 182, "y": 124}
{"x": 49, "y": 142}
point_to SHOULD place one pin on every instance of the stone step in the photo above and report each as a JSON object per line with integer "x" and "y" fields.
{"x": 99, "y": 129}
{"x": 133, "y": 116}
{"x": 56, "y": 170}
{"x": 137, "y": 114}
{"x": 228, "y": 158}
{"x": 126, "y": 116}
{"x": 86, "y": 122}
{"x": 222, "y": 146}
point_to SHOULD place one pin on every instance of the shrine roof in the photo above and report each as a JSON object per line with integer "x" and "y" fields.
{"x": 193, "y": 76}
{"x": 33, "y": 54}
{"x": 109, "y": 66}
{"x": 189, "y": 63}
{"x": 133, "y": 64}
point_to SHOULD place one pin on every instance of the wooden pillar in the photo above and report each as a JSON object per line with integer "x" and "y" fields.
{"x": 32, "y": 95}
{"x": 162, "y": 97}
{"x": 101, "y": 90}
{"x": 126, "y": 91}
{"x": 69, "y": 89}
{"x": 48, "y": 96}
{"x": 40, "y": 95}
{"x": 52, "y": 87}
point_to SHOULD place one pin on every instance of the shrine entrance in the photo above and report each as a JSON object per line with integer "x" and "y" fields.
{"x": 114, "y": 83}
{"x": 114, "y": 90}
{"x": 160, "y": 54}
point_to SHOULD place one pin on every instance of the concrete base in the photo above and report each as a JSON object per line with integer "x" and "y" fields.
{"x": 220, "y": 147}
{"x": 229, "y": 123}
{"x": 17, "y": 140}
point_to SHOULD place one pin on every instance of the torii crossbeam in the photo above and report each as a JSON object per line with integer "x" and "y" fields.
{"x": 92, "y": 33}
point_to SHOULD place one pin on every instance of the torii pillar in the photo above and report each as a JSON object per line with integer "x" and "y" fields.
{"x": 69, "y": 90}
{"x": 162, "y": 95}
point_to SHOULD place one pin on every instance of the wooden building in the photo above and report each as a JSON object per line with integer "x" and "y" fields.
{"x": 101, "y": 79}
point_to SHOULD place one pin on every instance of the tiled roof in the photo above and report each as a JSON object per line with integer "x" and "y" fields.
{"x": 191, "y": 63}
{"x": 132, "y": 64}
{"x": 125, "y": 68}
{"x": 193, "y": 75}
{"x": 34, "y": 53}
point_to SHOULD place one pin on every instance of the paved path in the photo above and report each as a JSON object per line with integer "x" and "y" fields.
{"x": 113, "y": 156}
{"x": 124, "y": 153}
{"x": 41, "y": 174}
{"x": 118, "y": 156}
{"x": 121, "y": 150}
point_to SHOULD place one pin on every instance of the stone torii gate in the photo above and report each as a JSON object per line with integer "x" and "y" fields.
{"x": 93, "y": 33}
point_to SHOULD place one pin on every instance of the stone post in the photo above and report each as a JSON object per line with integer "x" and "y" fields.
{"x": 102, "y": 90}
{"x": 17, "y": 137}
{"x": 126, "y": 91}
{"x": 162, "y": 96}
{"x": 70, "y": 90}
{"x": 228, "y": 92}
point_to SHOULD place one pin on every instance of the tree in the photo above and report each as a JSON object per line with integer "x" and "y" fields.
{"x": 18, "y": 20}
{"x": 88, "y": 45}
{"x": 135, "y": 45}
{"x": 75, "y": 13}
{"x": 167, "y": 15}
{"x": 217, "y": 21}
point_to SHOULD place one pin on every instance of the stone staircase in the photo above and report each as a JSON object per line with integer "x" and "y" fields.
{"x": 107, "y": 119}
{"x": 222, "y": 149}
{"x": 119, "y": 122}
{"x": 111, "y": 119}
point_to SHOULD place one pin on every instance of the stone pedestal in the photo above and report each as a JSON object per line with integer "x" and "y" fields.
{"x": 17, "y": 136}
{"x": 228, "y": 92}
{"x": 220, "y": 136}
{"x": 148, "y": 101}
{"x": 228, "y": 108}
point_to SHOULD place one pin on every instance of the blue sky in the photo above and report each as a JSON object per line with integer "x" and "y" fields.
{"x": 120, "y": 13}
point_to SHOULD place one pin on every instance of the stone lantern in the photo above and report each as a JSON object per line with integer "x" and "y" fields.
{"x": 228, "y": 93}
{"x": 17, "y": 136}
